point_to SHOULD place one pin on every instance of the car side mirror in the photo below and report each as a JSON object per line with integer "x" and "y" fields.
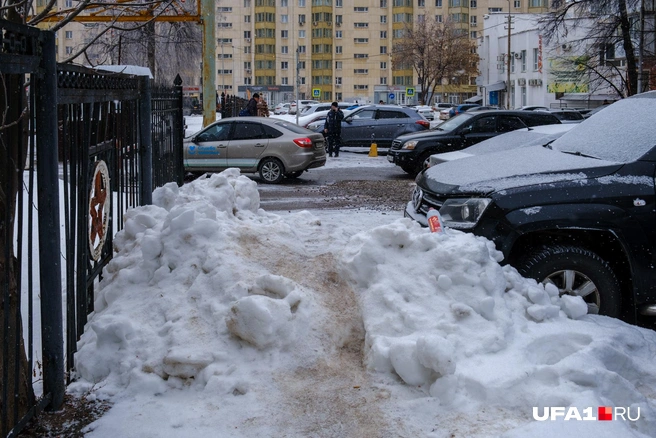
{"x": 466, "y": 130}
{"x": 348, "y": 119}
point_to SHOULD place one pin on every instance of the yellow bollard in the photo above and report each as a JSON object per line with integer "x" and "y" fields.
{"x": 373, "y": 150}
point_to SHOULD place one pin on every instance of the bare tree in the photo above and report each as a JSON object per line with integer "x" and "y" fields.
{"x": 437, "y": 52}
{"x": 596, "y": 29}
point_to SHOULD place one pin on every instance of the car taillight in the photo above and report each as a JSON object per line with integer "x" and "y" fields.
{"x": 423, "y": 123}
{"x": 303, "y": 142}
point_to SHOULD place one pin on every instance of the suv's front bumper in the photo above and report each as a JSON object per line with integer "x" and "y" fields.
{"x": 412, "y": 214}
{"x": 401, "y": 157}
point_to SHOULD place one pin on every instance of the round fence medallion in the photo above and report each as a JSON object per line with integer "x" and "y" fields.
{"x": 98, "y": 209}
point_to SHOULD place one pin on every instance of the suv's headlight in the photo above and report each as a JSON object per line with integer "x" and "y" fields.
{"x": 409, "y": 145}
{"x": 463, "y": 213}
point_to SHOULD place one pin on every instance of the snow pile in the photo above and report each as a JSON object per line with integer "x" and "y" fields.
{"x": 442, "y": 314}
{"x": 179, "y": 306}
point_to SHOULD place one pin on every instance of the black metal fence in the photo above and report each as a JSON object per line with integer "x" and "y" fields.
{"x": 231, "y": 105}
{"x": 94, "y": 144}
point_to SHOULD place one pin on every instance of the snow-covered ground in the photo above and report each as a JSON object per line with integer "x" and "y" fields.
{"x": 217, "y": 318}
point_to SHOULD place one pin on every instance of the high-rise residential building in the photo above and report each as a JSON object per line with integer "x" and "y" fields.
{"x": 336, "y": 49}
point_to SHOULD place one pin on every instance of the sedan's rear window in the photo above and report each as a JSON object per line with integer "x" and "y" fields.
{"x": 293, "y": 127}
{"x": 386, "y": 114}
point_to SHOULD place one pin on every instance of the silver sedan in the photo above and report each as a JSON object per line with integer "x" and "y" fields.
{"x": 272, "y": 147}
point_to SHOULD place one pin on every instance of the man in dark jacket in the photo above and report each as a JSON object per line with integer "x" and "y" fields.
{"x": 252, "y": 105}
{"x": 332, "y": 129}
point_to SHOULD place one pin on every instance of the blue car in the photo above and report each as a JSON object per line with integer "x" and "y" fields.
{"x": 462, "y": 108}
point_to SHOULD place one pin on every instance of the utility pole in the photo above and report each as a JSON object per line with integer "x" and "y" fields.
{"x": 508, "y": 60}
{"x": 641, "y": 44}
{"x": 209, "y": 61}
{"x": 298, "y": 83}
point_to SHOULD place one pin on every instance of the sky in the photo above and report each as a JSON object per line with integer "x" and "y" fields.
{"x": 218, "y": 318}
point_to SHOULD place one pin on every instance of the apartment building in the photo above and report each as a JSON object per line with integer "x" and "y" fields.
{"x": 343, "y": 49}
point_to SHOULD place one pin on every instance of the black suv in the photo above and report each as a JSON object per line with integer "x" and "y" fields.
{"x": 578, "y": 213}
{"x": 411, "y": 151}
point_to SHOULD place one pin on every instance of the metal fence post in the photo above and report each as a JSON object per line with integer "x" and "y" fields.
{"x": 49, "y": 235}
{"x": 146, "y": 142}
{"x": 177, "y": 148}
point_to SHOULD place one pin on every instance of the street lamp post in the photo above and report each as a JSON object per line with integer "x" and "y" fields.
{"x": 508, "y": 60}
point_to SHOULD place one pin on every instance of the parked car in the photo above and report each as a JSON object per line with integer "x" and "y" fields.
{"x": 325, "y": 106}
{"x": 281, "y": 108}
{"x": 579, "y": 214}
{"x": 520, "y": 138}
{"x": 567, "y": 115}
{"x": 439, "y": 106}
{"x": 534, "y": 108}
{"x": 273, "y": 147}
{"x": 425, "y": 111}
{"x": 445, "y": 114}
{"x": 594, "y": 111}
{"x": 461, "y": 109}
{"x": 411, "y": 152}
{"x": 379, "y": 123}
{"x": 293, "y": 106}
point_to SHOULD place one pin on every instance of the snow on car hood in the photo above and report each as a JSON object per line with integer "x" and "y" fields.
{"x": 488, "y": 173}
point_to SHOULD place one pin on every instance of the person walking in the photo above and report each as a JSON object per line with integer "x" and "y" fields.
{"x": 332, "y": 129}
{"x": 252, "y": 105}
{"x": 262, "y": 108}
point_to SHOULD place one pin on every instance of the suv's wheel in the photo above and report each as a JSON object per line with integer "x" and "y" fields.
{"x": 271, "y": 170}
{"x": 575, "y": 271}
{"x": 417, "y": 165}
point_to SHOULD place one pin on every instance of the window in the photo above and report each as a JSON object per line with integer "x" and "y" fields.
{"x": 247, "y": 3}
{"x": 69, "y": 3}
{"x": 224, "y": 56}
{"x": 421, "y": 3}
{"x": 383, "y": 18}
{"x": 361, "y": 55}
{"x": 338, "y": 49}
{"x": 483, "y": 125}
{"x": 338, "y": 3}
{"x": 284, "y": 34}
{"x": 473, "y": 34}
{"x": 223, "y": 10}
{"x": 302, "y": 49}
{"x": 284, "y": 18}
{"x": 301, "y": 3}
{"x": 391, "y": 114}
{"x": 284, "y": 3}
{"x": 247, "y": 65}
{"x": 301, "y": 18}
{"x": 438, "y": 3}
{"x": 383, "y": 49}
{"x": 338, "y": 34}
{"x": 224, "y": 72}
{"x": 383, "y": 3}
{"x": 383, "y": 34}
{"x": 284, "y": 49}
{"x": 512, "y": 64}
{"x": 225, "y": 25}
{"x": 338, "y": 19}
{"x": 69, "y": 34}
{"x": 383, "y": 65}
{"x": 247, "y": 131}
{"x": 361, "y": 25}
{"x": 421, "y": 18}
{"x": 472, "y": 20}
{"x": 247, "y": 49}
{"x": 248, "y": 81}
{"x": 247, "y": 18}
{"x": 301, "y": 34}
{"x": 338, "y": 65}
{"x": 361, "y": 71}
{"x": 284, "y": 65}
{"x": 69, "y": 50}
{"x": 536, "y": 4}
{"x": 301, "y": 65}
{"x": 472, "y": 4}
{"x": 523, "y": 93}
{"x": 361, "y": 9}
{"x": 495, "y": 9}
{"x": 508, "y": 123}
{"x": 439, "y": 19}
{"x": 383, "y": 80}
{"x": 302, "y": 80}
{"x": 523, "y": 52}
{"x": 536, "y": 59}
{"x": 247, "y": 34}
{"x": 338, "y": 80}
{"x": 517, "y": 4}
{"x": 360, "y": 40}
{"x": 361, "y": 87}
